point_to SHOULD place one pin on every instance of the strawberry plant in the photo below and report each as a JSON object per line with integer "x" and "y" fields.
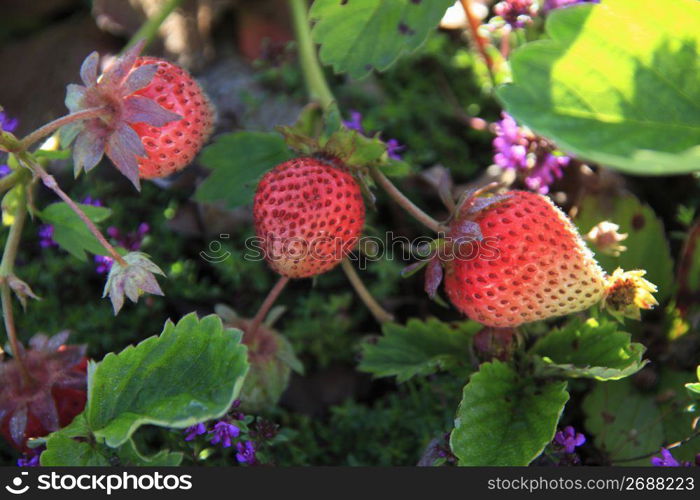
{"x": 478, "y": 216}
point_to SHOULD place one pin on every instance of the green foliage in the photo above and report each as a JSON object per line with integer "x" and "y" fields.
{"x": 360, "y": 35}
{"x": 70, "y": 232}
{"x": 647, "y": 246}
{"x": 616, "y": 84}
{"x": 628, "y": 423}
{"x": 694, "y": 387}
{"x": 237, "y": 161}
{"x": 505, "y": 419}
{"x": 420, "y": 348}
{"x": 190, "y": 373}
{"x": 589, "y": 349}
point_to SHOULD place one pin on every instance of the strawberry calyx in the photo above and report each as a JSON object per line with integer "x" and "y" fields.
{"x": 111, "y": 133}
{"x": 627, "y": 293}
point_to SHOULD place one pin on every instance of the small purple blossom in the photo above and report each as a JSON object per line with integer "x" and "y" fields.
{"x": 8, "y": 124}
{"x": 667, "y": 460}
{"x": 355, "y": 122}
{"x": 130, "y": 241}
{"x": 194, "y": 431}
{"x": 516, "y": 148}
{"x": 224, "y": 433}
{"x": 46, "y": 236}
{"x": 5, "y": 170}
{"x": 516, "y": 13}
{"x": 511, "y": 144}
{"x": 569, "y": 439}
{"x": 393, "y": 147}
{"x": 30, "y": 460}
{"x": 245, "y": 452}
{"x": 89, "y": 200}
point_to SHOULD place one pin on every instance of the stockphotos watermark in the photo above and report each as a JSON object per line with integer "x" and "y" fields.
{"x": 363, "y": 249}
{"x": 103, "y": 483}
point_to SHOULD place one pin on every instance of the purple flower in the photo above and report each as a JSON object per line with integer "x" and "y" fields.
{"x": 89, "y": 200}
{"x": 46, "y": 236}
{"x": 246, "y": 452}
{"x": 516, "y": 13}
{"x": 130, "y": 241}
{"x": 103, "y": 264}
{"x": 8, "y": 124}
{"x": 511, "y": 144}
{"x": 392, "y": 149}
{"x": 545, "y": 172}
{"x": 5, "y": 170}
{"x": 557, "y": 4}
{"x": 30, "y": 460}
{"x": 194, "y": 431}
{"x": 569, "y": 439}
{"x": 355, "y": 122}
{"x": 666, "y": 460}
{"x": 223, "y": 433}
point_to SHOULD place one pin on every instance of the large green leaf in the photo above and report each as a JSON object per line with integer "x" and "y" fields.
{"x": 358, "y": 35}
{"x": 237, "y": 161}
{"x": 70, "y": 232}
{"x": 589, "y": 349}
{"x": 647, "y": 246}
{"x": 625, "y": 423}
{"x": 505, "y": 419}
{"x": 62, "y": 450}
{"x": 420, "y": 348}
{"x": 618, "y": 83}
{"x": 190, "y": 373}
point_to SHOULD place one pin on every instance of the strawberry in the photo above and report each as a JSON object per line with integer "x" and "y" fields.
{"x": 309, "y": 213}
{"x": 173, "y": 146}
{"x": 152, "y": 117}
{"x": 52, "y": 399}
{"x": 531, "y": 263}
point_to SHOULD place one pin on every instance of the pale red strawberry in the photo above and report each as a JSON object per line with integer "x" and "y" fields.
{"x": 152, "y": 117}
{"x": 173, "y": 146}
{"x": 532, "y": 264}
{"x": 309, "y": 213}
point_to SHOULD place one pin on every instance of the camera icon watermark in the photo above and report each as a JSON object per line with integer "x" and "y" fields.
{"x": 16, "y": 488}
{"x": 215, "y": 253}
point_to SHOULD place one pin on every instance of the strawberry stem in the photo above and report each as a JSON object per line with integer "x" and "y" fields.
{"x": 6, "y": 270}
{"x": 479, "y": 40}
{"x": 50, "y": 182}
{"x": 379, "y": 313}
{"x": 313, "y": 73}
{"x": 265, "y": 308}
{"x": 149, "y": 30}
{"x": 405, "y": 203}
{"x": 51, "y": 127}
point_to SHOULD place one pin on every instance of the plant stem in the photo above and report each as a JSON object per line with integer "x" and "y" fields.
{"x": 379, "y": 313}
{"x": 313, "y": 73}
{"x": 9, "y": 181}
{"x": 149, "y": 30}
{"x": 404, "y": 202}
{"x": 50, "y": 182}
{"x": 51, "y": 127}
{"x": 480, "y": 42}
{"x": 6, "y": 270}
{"x": 265, "y": 307}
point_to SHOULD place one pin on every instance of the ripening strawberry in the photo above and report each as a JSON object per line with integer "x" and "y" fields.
{"x": 531, "y": 264}
{"x": 173, "y": 146}
{"x": 55, "y": 395}
{"x": 309, "y": 213}
{"x": 152, "y": 117}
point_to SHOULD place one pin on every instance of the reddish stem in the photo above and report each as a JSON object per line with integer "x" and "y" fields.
{"x": 480, "y": 41}
{"x": 265, "y": 308}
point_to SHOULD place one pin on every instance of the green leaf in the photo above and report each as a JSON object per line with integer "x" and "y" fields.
{"x": 647, "y": 246}
{"x": 129, "y": 455}
{"x": 589, "y": 349}
{"x": 237, "y": 161}
{"x": 63, "y": 450}
{"x": 190, "y": 373}
{"x": 618, "y": 83}
{"x": 359, "y": 35}
{"x": 420, "y": 348}
{"x": 625, "y": 423}
{"x": 505, "y": 419}
{"x": 70, "y": 232}
{"x": 694, "y": 387}
{"x": 680, "y": 413}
